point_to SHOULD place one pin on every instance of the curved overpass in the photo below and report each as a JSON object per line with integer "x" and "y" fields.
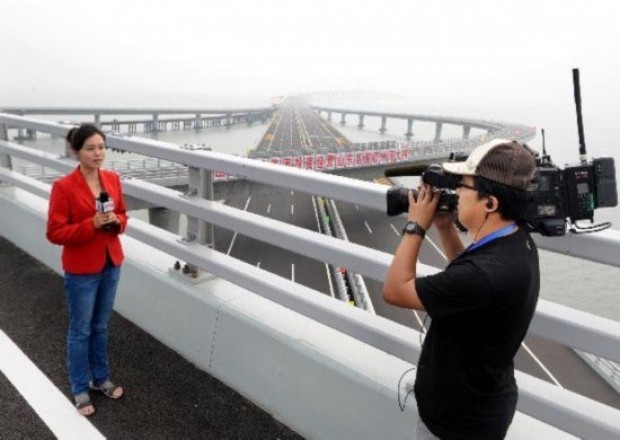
{"x": 495, "y": 128}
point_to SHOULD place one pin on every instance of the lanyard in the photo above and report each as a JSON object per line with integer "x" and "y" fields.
{"x": 493, "y": 236}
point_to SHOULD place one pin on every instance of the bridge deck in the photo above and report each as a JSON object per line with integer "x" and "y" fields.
{"x": 167, "y": 397}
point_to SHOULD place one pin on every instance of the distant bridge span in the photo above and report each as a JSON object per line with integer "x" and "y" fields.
{"x": 499, "y": 129}
{"x": 201, "y": 117}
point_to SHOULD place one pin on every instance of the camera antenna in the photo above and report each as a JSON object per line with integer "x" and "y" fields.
{"x": 582, "y": 140}
{"x": 545, "y": 159}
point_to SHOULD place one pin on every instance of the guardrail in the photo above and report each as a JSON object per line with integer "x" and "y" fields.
{"x": 564, "y": 409}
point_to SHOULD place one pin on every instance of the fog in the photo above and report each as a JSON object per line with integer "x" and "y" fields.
{"x": 476, "y": 58}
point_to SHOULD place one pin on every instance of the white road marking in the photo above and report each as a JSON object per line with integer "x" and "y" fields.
{"x": 437, "y": 248}
{"x": 357, "y": 207}
{"x": 258, "y": 264}
{"x": 268, "y": 208}
{"x": 46, "y": 400}
{"x": 395, "y": 230}
{"x": 367, "y": 227}
{"x": 329, "y": 280}
{"x": 540, "y": 364}
{"x": 417, "y": 316}
{"x": 292, "y": 272}
{"x": 292, "y": 209}
{"x": 232, "y": 242}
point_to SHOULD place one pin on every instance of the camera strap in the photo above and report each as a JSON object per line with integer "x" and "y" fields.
{"x": 506, "y": 230}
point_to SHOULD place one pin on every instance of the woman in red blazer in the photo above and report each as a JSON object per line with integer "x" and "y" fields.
{"x": 88, "y": 229}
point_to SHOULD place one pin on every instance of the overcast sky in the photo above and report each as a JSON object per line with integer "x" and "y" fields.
{"x": 453, "y": 53}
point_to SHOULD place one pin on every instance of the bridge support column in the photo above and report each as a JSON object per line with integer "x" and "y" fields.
{"x": 329, "y": 116}
{"x": 155, "y": 123}
{"x": 116, "y": 127}
{"x": 21, "y": 134}
{"x": 438, "y": 127}
{"x": 228, "y": 120}
{"x": 361, "y": 120}
{"x": 383, "y": 128}
{"x": 5, "y": 159}
{"x": 98, "y": 120}
{"x": 31, "y": 134}
{"x": 198, "y": 122}
{"x": 343, "y": 119}
{"x": 132, "y": 128}
{"x": 466, "y": 130}
{"x": 409, "y": 128}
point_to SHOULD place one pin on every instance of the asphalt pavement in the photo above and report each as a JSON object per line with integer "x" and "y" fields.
{"x": 166, "y": 397}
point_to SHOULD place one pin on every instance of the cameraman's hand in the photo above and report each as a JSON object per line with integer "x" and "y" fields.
{"x": 443, "y": 220}
{"x": 422, "y": 210}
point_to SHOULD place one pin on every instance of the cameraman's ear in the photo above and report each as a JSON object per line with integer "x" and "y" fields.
{"x": 492, "y": 204}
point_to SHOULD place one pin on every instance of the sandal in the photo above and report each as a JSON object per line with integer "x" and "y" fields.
{"x": 82, "y": 402}
{"x": 108, "y": 389}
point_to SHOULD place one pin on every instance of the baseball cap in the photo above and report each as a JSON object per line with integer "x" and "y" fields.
{"x": 500, "y": 160}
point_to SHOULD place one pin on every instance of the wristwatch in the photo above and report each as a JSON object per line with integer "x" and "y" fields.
{"x": 414, "y": 228}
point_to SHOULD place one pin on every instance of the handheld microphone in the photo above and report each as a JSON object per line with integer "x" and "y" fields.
{"x": 104, "y": 205}
{"x": 409, "y": 170}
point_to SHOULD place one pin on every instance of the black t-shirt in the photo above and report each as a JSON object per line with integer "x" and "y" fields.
{"x": 481, "y": 307}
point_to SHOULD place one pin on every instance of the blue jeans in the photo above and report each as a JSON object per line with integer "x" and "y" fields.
{"x": 90, "y": 299}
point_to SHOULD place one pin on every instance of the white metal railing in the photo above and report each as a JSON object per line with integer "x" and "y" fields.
{"x": 584, "y": 331}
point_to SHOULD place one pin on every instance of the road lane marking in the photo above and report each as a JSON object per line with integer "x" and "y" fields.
{"x": 417, "y": 316}
{"x": 292, "y": 209}
{"x": 540, "y": 364}
{"x": 367, "y": 227}
{"x": 258, "y": 265}
{"x": 46, "y": 400}
{"x": 437, "y": 249}
{"x": 232, "y": 242}
{"x": 357, "y": 207}
{"x": 293, "y": 272}
{"x": 395, "y": 230}
{"x": 329, "y": 280}
{"x": 268, "y": 208}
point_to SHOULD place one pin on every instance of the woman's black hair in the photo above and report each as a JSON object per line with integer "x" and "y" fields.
{"x": 511, "y": 201}
{"x": 78, "y": 135}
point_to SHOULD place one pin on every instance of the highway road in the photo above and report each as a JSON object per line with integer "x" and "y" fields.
{"x": 296, "y": 128}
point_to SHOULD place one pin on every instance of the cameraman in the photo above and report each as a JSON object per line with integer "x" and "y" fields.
{"x": 481, "y": 305}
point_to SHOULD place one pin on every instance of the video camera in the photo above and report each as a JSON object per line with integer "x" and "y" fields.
{"x": 558, "y": 197}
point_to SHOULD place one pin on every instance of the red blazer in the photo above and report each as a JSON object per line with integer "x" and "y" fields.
{"x": 70, "y": 223}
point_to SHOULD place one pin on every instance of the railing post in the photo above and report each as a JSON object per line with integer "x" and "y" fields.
{"x": 5, "y": 159}
{"x": 200, "y": 184}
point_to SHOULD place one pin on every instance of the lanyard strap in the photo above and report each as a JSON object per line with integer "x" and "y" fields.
{"x": 492, "y": 236}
